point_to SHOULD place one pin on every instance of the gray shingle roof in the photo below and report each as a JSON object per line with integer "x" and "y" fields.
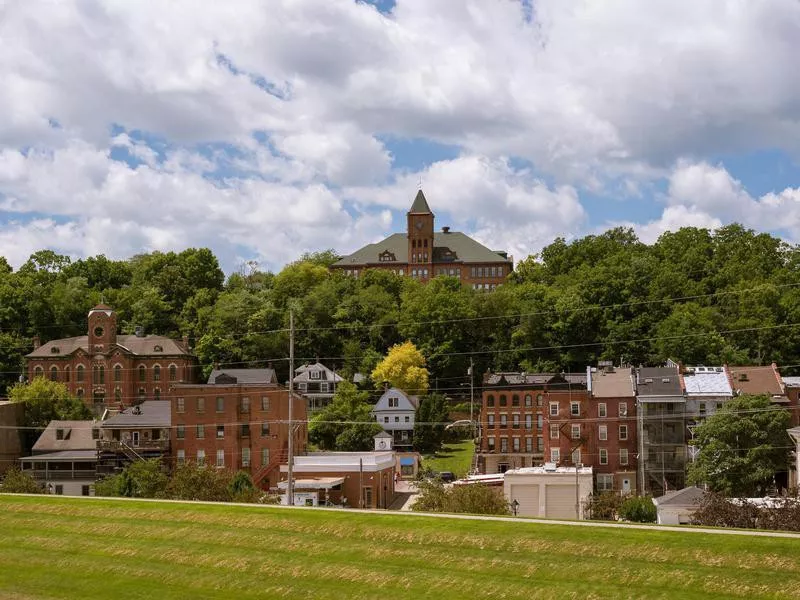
{"x": 689, "y": 496}
{"x": 151, "y": 413}
{"x": 658, "y": 381}
{"x": 554, "y": 380}
{"x": 244, "y": 375}
{"x": 303, "y": 373}
{"x": 450, "y": 247}
{"x": 77, "y": 436}
{"x": 420, "y": 205}
{"x": 138, "y": 345}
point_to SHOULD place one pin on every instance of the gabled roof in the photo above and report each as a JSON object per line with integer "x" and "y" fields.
{"x": 303, "y": 373}
{"x": 147, "y": 345}
{"x": 575, "y": 381}
{"x": 240, "y": 376}
{"x": 690, "y": 496}
{"x": 77, "y": 435}
{"x": 420, "y": 205}
{"x": 756, "y": 380}
{"x": 150, "y": 413}
{"x": 448, "y": 248}
{"x": 405, "y": 402}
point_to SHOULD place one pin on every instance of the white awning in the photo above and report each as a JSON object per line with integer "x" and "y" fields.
{"x": 320, "y": 483}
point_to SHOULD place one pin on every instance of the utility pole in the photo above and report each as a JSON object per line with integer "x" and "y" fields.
{"x": 289, "y": 473}
{"x": 360, "y": 483}
{"x": 471, "y": 396}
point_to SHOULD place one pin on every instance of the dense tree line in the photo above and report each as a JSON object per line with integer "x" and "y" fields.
{"x": 601, "y": 297}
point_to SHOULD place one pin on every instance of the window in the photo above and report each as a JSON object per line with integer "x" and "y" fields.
{"x": 503, "y": 421}
{"x": 313, "y": 374}
{"x": 623, "y": 456}
{"x": 245, "y": 404}
{"x": 539, "y": 443}
{"x": 53, "y": 373}
{"x": 408, "y": 419}
{"x": 623, "y": 432}
{"x": 220, "y": 458}
{"x": 98, "y": 375}
{"x": 575, "y": 409}
{"x": 503, "y": 400}
{"x": 491, "y": 444}
{"x": 264, "y": 429}
{"x": 180, "y": 405}
{"x": 603, "y": 432}
{"x": 200, "y": 432}
{"x": 603, "y": 456}
{"x": 490, "y": 400}
{"x": 181, "y": 456}
{"x": 702, "y": 408}
{"x": 59, "y": 434}
{"x": 539, "y": 399}
{"x": 576, "y": 456}
{"x": 85, "y": 490}
{"x": 623, "y": 409}
{"x": 490, "y": 422}
{"x": 515, "y": 421}
{"x": 95, "y": 433}
{"x": 66, "y": 373}
{"x": 157, "y": 373}
{"x": 528, "y": 422}
{"x": 385, "y": 419}
{"x": 515, "y": 444}
{"x": 220, "y": 404}
{"x": 554, "y": 409}
{"x": 605, "y": 482}
{"x": 503, "y": 445}
{"x": 220, "y": 432}
{"x": 79, "y": 370}
{"x": 264, "y": 456}
{"x": 264, "y": 402}
{"x": 181, "y": 432}
{"x": 528, "y": 400}
{"x": 245, "y": 457}
{"x": 555, "y": 455}
{"x": 79, "y": 393}
{"x": 59, "y": 490}
{"x": 515, "y": 400}
{"x": 142, "y": 373}
{"x": 394, "y": 402}
{"x": 528, "y": 445}
{"x": 575, "y": 432}
{"x": 201, "y": 457}
{"x": 553, "y": 432}
{"x": 117, "y": 373}
{"x": 142, "y": 394}
{"x": 323, "y": 387}
{"x": 397, "y": 419}
{"x": 173, "y": 373}
{"x": 539, "y": 422}
{"x": 201, "y": 405}
{"x": 602, "y": 411}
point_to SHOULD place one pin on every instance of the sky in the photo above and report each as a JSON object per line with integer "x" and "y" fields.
{"x": 267, "y": 129}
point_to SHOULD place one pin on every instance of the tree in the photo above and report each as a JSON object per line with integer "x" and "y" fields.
{"x": 46, "y": 401}
{"x": 139, "y": 479}
{"x": 191, "y": 481}
{"x": 742, "y": 447}
{"x": 475, "y": 499}
{"x": 429, "y": 420}
{"x": 346, "y": 424}
{"x": 638, "y": 509}
{"x": 17, "y": 482}
{"x": 404, "y": 368}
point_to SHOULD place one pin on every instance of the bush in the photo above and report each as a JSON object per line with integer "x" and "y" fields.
{"x": 140, "y": 479}
{"x": 17, "y": 482}
{"x": 717, "y": 511}
{"x": 603, "y": 506}
{"x": 638, "y": 509}
{"x": 473, "y": 499}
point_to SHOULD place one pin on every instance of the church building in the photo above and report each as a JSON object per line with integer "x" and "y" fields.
{"x": 424, "y": 253}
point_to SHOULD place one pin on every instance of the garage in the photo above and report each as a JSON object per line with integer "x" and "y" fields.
{"x": 560, "y": 501}
{"x": 528, "y": 498}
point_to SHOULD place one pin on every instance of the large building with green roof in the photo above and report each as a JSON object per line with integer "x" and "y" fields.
{"x": 424, "y": 253}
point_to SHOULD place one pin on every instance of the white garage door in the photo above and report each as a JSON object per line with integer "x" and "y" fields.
{"x": 528, "y": 498}
{"x": 560, "y": 501}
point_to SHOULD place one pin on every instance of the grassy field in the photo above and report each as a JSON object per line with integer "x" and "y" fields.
{"x": 74, "y": 548}
{"x": 455, "y": 457}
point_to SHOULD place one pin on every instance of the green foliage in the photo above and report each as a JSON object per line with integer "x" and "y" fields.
{"x": 604, "y": 506}
{"x": 140, "y": 479}
{"x": 403, "y": 368}
{"x": 429, "y": 422}
{"x": 47, "y": 400}
{"x": 638, "y": 509}
{"x": 741, "y": 447}
{"x": 346, "y": 424}
{"x": 781, "y": 514}
{"x": 475, "y": 499}
{"x": 18, "y": 482}
{"x": 200, "y": 482}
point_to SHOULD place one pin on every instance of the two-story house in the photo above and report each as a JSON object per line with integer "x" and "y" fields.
{"x": 395, "y": 412}
{"x": 317, "y": 383}
{"x": 136, "y": 433}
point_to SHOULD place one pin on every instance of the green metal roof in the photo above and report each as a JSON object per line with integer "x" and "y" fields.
{"x": 420, "y": 205}
{"x": 450, "y": 247}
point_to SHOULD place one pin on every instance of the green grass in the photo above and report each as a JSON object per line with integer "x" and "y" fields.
{"x": 455, "y": 457}
{"x": 89, "y": 548}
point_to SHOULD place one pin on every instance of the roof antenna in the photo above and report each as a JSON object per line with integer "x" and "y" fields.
{"x": 419, "y": 182}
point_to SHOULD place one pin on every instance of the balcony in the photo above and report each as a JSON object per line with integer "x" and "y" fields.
{"x": 59, "y": 475}
{"x": 141, "y": 446}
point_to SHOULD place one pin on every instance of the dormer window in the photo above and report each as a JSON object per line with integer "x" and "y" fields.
{"x": 313, "y": 374}
{"x": 386, "y": 256}
{"x": 55, "y": 350}
{"x": 59, "y": 434}
{"x": 158, "y": 348}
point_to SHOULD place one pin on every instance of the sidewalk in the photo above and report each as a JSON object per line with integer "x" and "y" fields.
{"x": 406, "y": 494}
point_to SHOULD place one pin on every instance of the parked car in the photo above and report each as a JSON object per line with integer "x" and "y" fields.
{"x": 447, "y": 476}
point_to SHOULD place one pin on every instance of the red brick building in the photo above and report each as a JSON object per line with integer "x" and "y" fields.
{"x": 108, "y": 369}
{"x": 423, "y": 253}
{"x": 239, "y": 421}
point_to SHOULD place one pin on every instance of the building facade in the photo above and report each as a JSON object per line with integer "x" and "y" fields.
{"x": 394, "y": 412}
{"x": 11, "y": 417}
{"x": 548, "y": 492}
{"x": 136, "y": 433}
{"x": 106, "y": 369}
{"x": 423, "y": 253}
{"x": 237, "y": 425}
{"x": 317, "y": 383}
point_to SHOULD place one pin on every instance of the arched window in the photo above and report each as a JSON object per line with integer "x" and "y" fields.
{"x": 53, "y": 373}
{"x": 157, "y": 373}
{"x": 156, "y": 394}
{"x": 490, "y": 400}
{"x": 98, "y": 374}
{"x": 66, "y": 373}
{"x": 425, "y": 243}
{"x": 38, "y": 372}
{"x": 79, "y": 373}
{"x": 515, "y": 400}
{"x": 503, "y": 401}
{"x": 142, "y": 373}
{"x": 117, "y": 373}
{"x": 528, "y": 400}
{"x": 173, "y": 373}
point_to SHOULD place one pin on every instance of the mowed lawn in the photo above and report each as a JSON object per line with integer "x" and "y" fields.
{"x": 75, "y": 548}
{"x": 455, "y": 457}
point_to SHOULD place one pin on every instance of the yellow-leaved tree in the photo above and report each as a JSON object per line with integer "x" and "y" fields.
{"x": 404, "y": 368}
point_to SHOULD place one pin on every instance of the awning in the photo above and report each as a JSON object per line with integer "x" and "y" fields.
{"x": 320, "y": 483}
{"x": 409, "y": 461}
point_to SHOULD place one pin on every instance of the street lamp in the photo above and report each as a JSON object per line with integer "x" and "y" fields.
{"x": 515, "y": 506}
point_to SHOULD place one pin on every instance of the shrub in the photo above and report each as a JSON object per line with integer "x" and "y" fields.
{"x": 603, "y": 506}
{"x": 17, "y": 482}
{"x": 638, "y": 509}
{"x": 473, "y": 499}
{"x": 717, "y": 511}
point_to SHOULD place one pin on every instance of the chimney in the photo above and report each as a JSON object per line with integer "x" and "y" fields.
{"x": 215, "y": 365}
{"x": 139, "y": 331}
{"x": 36, "y": 342}
{"x": 186, "y": 342}
{"x": 445, "y": 229}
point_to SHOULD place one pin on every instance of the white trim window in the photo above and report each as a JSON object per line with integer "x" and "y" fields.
{"x": 602, "y": 433}
{"x": 220, "y": 458}
{"x": 555, "y": 455}
{"x": 623, "y": 409}
{"x": 554, "y": 409}
{"x": 181, "y": 456}
{"x": 602, "y": 410}
{"x": 605, "y": 482}
{"x": 623, "y": 456}
{"x": 603, "y": 456}
{"x": 623, "y": 432}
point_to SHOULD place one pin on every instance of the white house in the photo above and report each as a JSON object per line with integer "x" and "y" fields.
{"x": 395, "y": 411}
{"x": 548, "y": 491}
{"x": 317, "y": 383}
{"x": 794, "y": 478}
{"x": 677, "y": 508}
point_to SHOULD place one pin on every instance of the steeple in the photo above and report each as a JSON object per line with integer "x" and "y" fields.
{"x": 420, "y": 205}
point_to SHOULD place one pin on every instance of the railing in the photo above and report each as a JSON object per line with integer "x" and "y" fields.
{"x": 142, "y": 446}
{"x": 42, "y": 474}
{"x": 275, "y": 462}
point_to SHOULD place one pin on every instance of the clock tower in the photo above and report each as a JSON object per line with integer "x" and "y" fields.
{"x": 420, "y": 238}
{"x": 102, "y": 328}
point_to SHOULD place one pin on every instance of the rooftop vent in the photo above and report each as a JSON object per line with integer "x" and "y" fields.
{"x": 743, "y": 377}
{"x": 665, "y": 380}
{"x": 445, "y": 230}
{"x": 550, "y": 467}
